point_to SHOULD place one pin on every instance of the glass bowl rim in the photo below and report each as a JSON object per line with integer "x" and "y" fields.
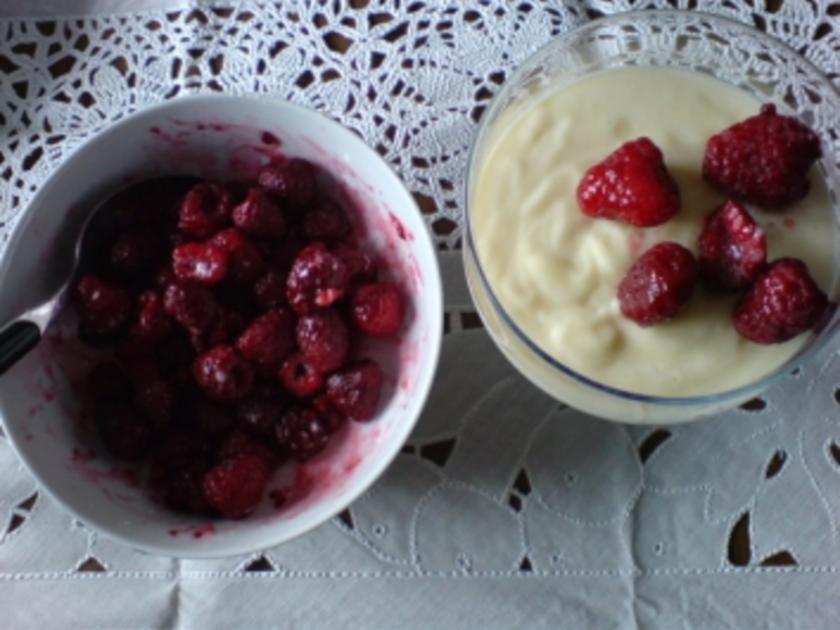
{"x": 825, "y": 336}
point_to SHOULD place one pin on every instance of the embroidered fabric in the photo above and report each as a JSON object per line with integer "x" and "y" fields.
{"x": 506, "y": 508}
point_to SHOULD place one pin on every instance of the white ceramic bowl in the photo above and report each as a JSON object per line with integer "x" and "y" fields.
{"x": 221, "y": 137}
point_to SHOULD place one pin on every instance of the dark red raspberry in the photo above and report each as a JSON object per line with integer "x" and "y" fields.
{"x": 355, "y": 390}
{"x": 360, "y": 264}
{"x": 155, "y": 399}
{"x": 300, "y": 378}
{"x": 208, "y": 418}
{"x": 104, "y": 310}
{"x": 302, "y": 433}
{"x": 632, "y": 184}
{"x": 333, "y": 419}
{"x": 732, "y": 248}
{"x": 259, "y": 215}
{"x": 234, "y": 487}
{"x": 244, "y": 261}
{"x": 183, "y": 485}
{"x": 269, "y": 338}
{"x": 206, "y": 209}
{"x": 326, "y": 221}
{"x": 164, "y": 277}
{"x": 203, "y": 263}
{"x": 124, "y": 432}
{"x": 318, "y": 278}
{"x": 108, "y": 383}
{"x": 258, "y": 413}
{"x": 783, "y": 302}
{"x": 658, "y": 284}
{"x": 152, "y": 323}
{"x": 323, "y": 340}
{"x": 763, "y": 159}
{"x": 293, "y": 181}
{"x": 190, "y": 305}
{"x": 226, "y": 327}
{"x": 175, "y": 357}
{"x": 378, "y": 309}
{"x": 135, "y": 254}
{"x": 270, "y": 290}
{"x": 223, "y": 374}
{"x": 238, "y": 443}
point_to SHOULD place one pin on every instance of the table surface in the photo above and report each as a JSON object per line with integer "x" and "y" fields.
{"x": 732, "y": 522}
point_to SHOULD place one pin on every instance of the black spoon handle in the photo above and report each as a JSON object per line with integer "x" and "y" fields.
{"x": 16, "y": 340}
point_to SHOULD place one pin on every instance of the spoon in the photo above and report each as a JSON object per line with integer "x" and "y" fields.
{"x": 24, "y": 332}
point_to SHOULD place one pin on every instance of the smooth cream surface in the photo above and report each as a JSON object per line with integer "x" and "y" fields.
{"x": 556, "y": 271}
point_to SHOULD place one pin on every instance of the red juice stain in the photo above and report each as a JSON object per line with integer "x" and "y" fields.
{"x": 789, "y": 223}
{"x": 196, "y": 531}
{"x": 635, "y": 242}
{"x": 266, "y": 137}
{"x": 401, "y": 230}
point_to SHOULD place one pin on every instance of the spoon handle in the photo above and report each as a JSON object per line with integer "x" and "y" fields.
{"x": 16, "y": 340}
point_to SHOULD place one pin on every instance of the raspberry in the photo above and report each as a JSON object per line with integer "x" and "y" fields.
{"x": 190, "y": 305}
{"x": 152, "y": 323}
{"x": 269, "y": 338}
{"x": 732, "y": 248}
{"x": 244, "y": 261}
{"x": 175, "y": 357}
{"x": 300, "y": 378}
{"x": 326, "y": 221}
{"x": 763, "y": 159}
{"x": 318, "y": 278}
{"x": 323, "y": 340}
{"x": 223, "y": 374}
{"x": 258, "y": 414}
{"x": 270, "y": 290}
{"x": 104, "y": 310}
{"x": 333, "y": 419}
{"x": 205, "y": 210}
{"x": 226, "y": 327}
{"x": 302, "y": 433}
{"x": 135, "y": 254}
{"x": 378, "y": 309}
{"x": 107, "y": 383}
{"x": 203, "y": 263}
{"x": 208, "y": 418}
{"x": 783, "y": 302}
{"x": 292, "y": 181}
{"x": 259, "y": 215}
{"x": 360, "y": 265}
{"x": 632, "y": 185}
{"x": 355, "y": 390}
{"x": 234, "y": 487}
{"x": 658, "y": 284}
{"x": 124, "y": 432}
{"x": 155, "y": 399}
{"x": 183, "y": 488}
{"x": 238, "y": 443}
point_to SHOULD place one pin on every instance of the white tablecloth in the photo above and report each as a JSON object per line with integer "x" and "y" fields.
{"x": 510, "y": 510}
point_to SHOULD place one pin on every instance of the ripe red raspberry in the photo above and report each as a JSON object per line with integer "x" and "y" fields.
{"x": 658, "y": 284}
{"x": 360, "y": 264}
{"x": 732, "y": 248}
{"x": 206, "y": 209}
{"x": 378, "y": 309}
{"x": 104, "y": 310}
{"x": 763, "y": 159}
{"x": 203, "y": 263}
{"x": 269, "y": 338}
{"x": 326, "y": 221}
{"x": 323, "y": 340}
{"x": 632, "y": 185}
{"x": 190, "y": 305}
{"x": 223, "y": 374}
{"x": 244, "y": 261}
{"x": 355, "y": 390}
{"x": 318, "y": 278}
{"x": 292, "y": 181}
{"x": 238, "y": 443}
{"x": 124, "y": 432}
{"x": 135, "y": 254}
{"x": 152, "y": 323}
{"x": 234, "y": 487}
{"x": 259, "y": 215}
{"x": 302, "y": 433}
{"x": 270, "y": 290}
{"x": 783, "y": 302}
{"x": 258, "y": 413}
{"x": 300, "y": 378}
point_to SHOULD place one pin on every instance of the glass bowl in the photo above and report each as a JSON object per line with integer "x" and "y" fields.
{"x": 739, "y": 55}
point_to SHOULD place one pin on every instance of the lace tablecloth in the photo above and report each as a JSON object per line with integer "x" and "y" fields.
{"x": 506, "y": 510}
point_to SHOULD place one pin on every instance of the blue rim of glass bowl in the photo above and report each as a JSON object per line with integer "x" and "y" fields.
{"x": 816, "y": 345}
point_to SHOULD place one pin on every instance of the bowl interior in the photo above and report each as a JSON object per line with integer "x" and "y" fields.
{"x": 222, "y": 138}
